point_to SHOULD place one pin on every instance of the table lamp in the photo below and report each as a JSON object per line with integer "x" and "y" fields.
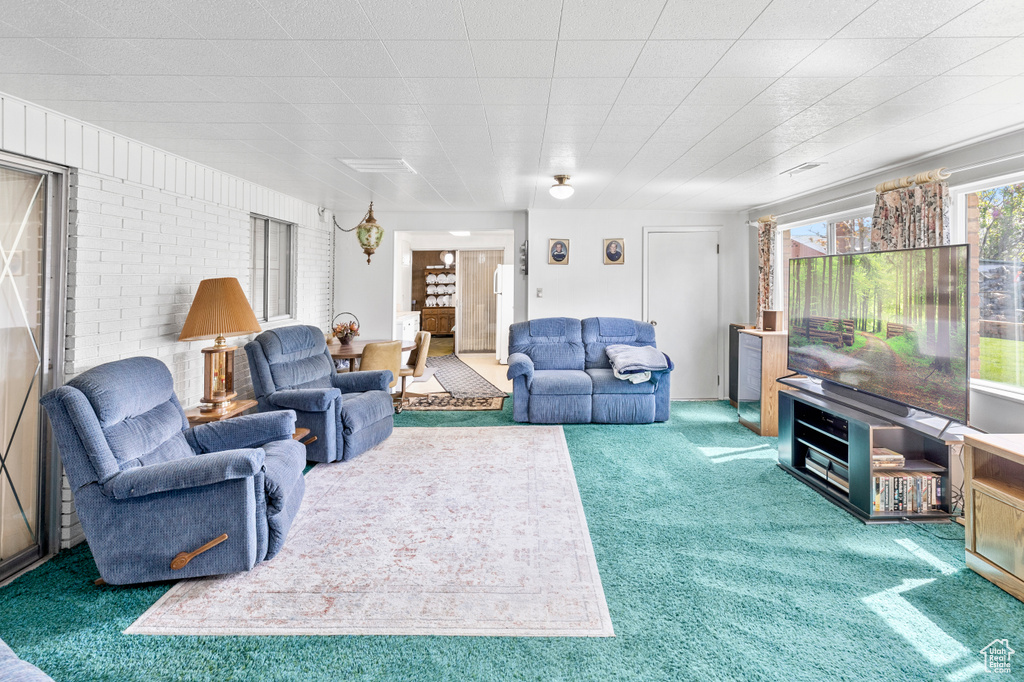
{"x": 220, "y": 308}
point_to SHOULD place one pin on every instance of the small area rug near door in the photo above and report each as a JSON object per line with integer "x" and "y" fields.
{"x": 437, "y": 531}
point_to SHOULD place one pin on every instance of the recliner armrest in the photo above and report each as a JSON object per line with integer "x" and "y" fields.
{"x": 360, "y": 382}
{"x": 249, "y": 431}
{"x": 305, "y": 399}
{"x": 180, "y": 474}
{"x": 520, "y": 364}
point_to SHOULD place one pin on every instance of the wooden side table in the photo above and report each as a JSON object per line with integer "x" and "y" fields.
{"x": 994, "y": 507}
{"x": 195, "y": 417}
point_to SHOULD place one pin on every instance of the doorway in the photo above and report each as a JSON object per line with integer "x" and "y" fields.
{"x": 681, "y": 286}
{"x": 32, "y": 244}
{"x": 477, "y": 311}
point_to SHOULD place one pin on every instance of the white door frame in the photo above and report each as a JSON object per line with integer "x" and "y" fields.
{"x": 717, "y": 229}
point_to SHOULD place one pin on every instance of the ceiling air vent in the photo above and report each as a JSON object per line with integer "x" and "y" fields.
{"x": 378, "y": 165}
{"x": 801, "y": 168}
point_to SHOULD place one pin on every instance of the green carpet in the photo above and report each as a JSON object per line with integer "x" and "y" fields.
{"x": 715, "y": 564}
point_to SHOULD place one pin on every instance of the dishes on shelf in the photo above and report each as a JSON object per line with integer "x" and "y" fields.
{"x": 431, "y": 288}
{"x": 431, "y": 301}
{"x": 450, "y": 289}
{"x": 432, "y": 278}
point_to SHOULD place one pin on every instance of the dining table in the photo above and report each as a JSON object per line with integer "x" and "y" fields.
{"x": 353, "y": 351}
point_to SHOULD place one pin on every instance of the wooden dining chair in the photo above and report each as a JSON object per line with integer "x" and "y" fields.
{"x": 417, "y": 364}
{"x": 384, "y": 355}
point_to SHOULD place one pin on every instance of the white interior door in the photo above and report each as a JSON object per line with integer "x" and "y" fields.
{"x": 682, "y": 300}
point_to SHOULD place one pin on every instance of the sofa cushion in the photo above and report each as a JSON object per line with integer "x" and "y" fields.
{"x": 598, "y": 332}
{"x": 605, "y": 382}
{"x": 561, "y": 382}
{"x": 359, "y": 410}
{"x": 551, "y": 342}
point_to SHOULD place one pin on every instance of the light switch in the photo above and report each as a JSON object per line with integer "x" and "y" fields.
{"x": 540, "y": 293}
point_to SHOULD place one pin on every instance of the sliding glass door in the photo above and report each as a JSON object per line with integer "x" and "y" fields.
{"x": 27, "y": 315}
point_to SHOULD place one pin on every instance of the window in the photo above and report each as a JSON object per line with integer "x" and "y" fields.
{"x": 995, "y": 231}
{"x": 270, "y": 272}
{"x": 847, "y": 234}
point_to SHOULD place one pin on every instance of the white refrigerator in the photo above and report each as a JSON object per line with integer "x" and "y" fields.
{"x": 504, "y": 283}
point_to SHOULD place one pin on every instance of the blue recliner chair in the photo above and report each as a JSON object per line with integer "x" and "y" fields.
{"x": 348, "y": 413}
{"x": 148, "y": 488}
{"x": 561, "y": 374}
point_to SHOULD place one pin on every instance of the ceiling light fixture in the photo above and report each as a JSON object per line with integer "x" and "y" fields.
{"x": 809, "y": 165}
{"x": 379, "y": 165}
{"x": 459, "y": 233}
{"x": 368, "y": 232}
{"x": 561, "y": 189}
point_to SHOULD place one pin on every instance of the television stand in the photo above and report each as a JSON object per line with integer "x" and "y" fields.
{"x": 851, "y": 394}
{"x": 826, "y": 443}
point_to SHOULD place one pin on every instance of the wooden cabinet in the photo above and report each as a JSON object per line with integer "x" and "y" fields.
{"x": 994, "y": 494}
{"x": 437, "y": 321}
{"x": 762, "y": 360}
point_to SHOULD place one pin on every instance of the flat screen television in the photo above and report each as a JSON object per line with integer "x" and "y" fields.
{"x": 892, "y": 324}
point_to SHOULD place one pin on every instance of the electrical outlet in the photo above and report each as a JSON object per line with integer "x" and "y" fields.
{"x": 540, "y": 293}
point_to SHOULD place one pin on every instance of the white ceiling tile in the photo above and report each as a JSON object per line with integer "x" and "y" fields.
{"x": 988, "y": 18}
{"x": 585, "y": 90}
{"x": 432, "y": 58}
{"x": 933, "y": 56}
{"x": 177, "y": 89}
{"x": 334, "y": 112}
{"x": 395, "y": 114}
{"x": 376, "y": 90}
{"x": 416, "y": 19}
{"x": 28, "y": 56}
{"x": 609, "y": 19}
{"x": 903, "y": 18}
{"x": 520, "y": 20}
{"x": 268, "y": 57}
{"x": 702, "y": 115}
{"x": 805, "y": 18}
{"x": 227, "y": 19}
{"x": 455, "y": 114}
{"x": 1005, "y": 93}
{"x": 763, "y": 57}
{"x": 312, "y": 90}
{"x": 657, "y": 90}
{"x": 849, "y": 57}
{"x": 1006, "y": 59}
{"x": 47, "y": 20}
{"x": 578, "y": 114}
{"x": 684, "y": 19}
{"x": 33, "y": 87}
{"x": 407, "y": 133}
{"x": 625, "y": 133}
{"x": 157, "y": 21}
{"x": 351, "y": 58}
{"x": 335, "y": 20}
{"x": 523, "y": 91}
{"x": 514, "y": 114}
{"x": 513, "y": 59}
{"x": 679, "y": 58}
{"x": 445, "y": 90}
{"x": 516, "y": 133}
{"x": 651, "y": 115}
{"x": 596, "y": 59}
{"x": 712, "y": 91}
{"x": 873, "y": 90}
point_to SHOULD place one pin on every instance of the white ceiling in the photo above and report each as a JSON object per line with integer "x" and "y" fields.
{"x": 671, "y": 104}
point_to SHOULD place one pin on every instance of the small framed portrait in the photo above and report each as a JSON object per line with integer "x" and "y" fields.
{"x": 558, "y": 252}
{"x": 614, "y": 251}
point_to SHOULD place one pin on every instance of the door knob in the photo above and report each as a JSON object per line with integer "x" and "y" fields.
{"x": 654, "y": 323}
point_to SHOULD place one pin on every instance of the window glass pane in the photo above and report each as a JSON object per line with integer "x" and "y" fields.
{"x": 257, "y": 268}
{"x": 853, "y": 235}
{"x": 800, "y": 242}
{"x": 995, "y": 229}
{"x": 279, "y": 270}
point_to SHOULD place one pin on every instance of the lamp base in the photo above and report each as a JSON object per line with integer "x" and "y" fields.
{"x": 218, "y": 405}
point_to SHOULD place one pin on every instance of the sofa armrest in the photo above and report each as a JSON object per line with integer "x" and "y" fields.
{"x": 305, "y": 399}
{"x": 249, "y": 431}
{"x": 360, "y": 382}
{"x": 520, "y": 364}
{"x": 181, "y": 474}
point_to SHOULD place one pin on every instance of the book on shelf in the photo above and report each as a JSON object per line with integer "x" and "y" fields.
{"x": 914, "y": 492}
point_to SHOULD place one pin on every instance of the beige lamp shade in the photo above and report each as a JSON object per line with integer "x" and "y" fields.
{"x": 220, "y": 308}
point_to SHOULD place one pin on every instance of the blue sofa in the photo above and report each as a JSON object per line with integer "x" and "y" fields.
{"x": 13, "y": 669}
{"x": 148, "y": 487}
{"x": 348, "y": 413}
{"x": 561, "y": 375}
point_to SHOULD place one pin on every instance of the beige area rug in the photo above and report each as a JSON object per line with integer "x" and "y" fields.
{"x": 437, "y": 531}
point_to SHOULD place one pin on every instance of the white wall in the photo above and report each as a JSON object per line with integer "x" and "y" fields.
{"x": 372, "y": 291}
{"x": 586, "y": 287}
{"x": 144, "y": 228}
{"x": 970, "y": 164}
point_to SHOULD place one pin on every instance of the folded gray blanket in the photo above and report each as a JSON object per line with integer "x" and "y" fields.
{"x": 634, "y": 359}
